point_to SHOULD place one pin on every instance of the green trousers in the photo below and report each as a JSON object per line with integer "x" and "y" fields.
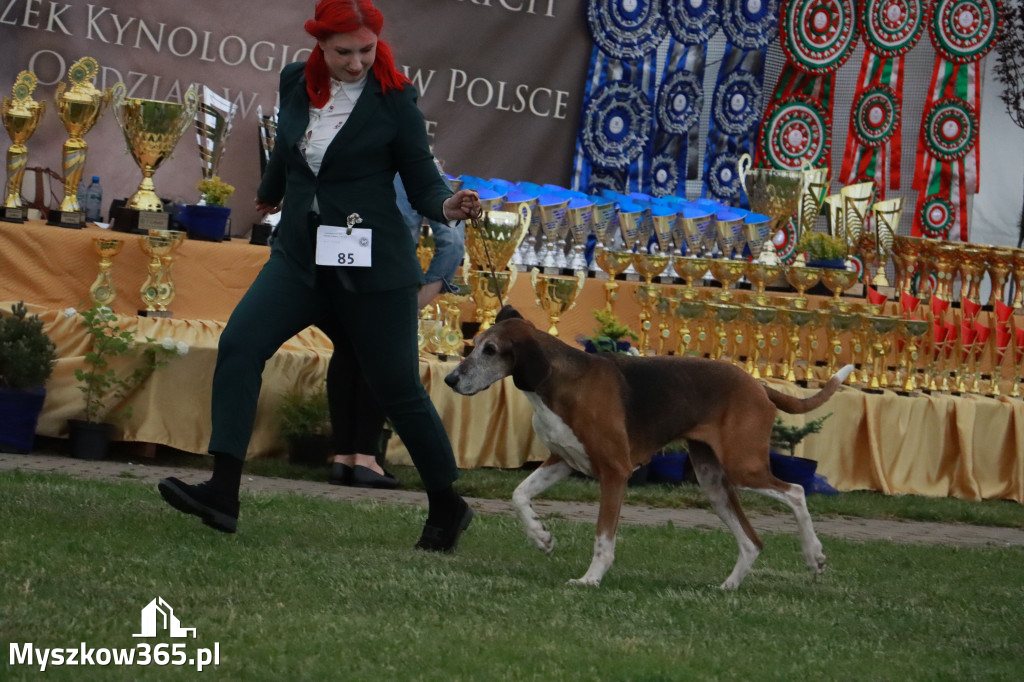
{"x": 381, "y": 328}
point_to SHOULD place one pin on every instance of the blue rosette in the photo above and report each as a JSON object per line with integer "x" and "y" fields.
{"x": 626, "y": 29}
{"x": 692, "y": 21}
{"x": 751, "y": 24}
{"x": 616, "y": 125}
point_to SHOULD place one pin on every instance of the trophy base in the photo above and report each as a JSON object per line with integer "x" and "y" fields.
{"x": 138, "y": 222}
{"x": 73, "y": 220}
{"x": 155, "y": 313}
{"x": 13, "y": 215}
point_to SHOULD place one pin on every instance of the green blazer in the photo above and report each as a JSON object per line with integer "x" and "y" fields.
{"x": 384, "y": 134}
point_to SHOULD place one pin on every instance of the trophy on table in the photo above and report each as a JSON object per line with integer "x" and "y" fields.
{"x": 687, "y": 311}
{"x": 816, "y": 183}
{"x": 759, "y": 273}
{"x": 79, "y": 108}
{"x": 887, "y": 222}
{"x": 772, "y": 192}
{"x": 213, "y": 126}
{"x": 21, "y": 116}
{"x": 158, "y": 290}
{"x": 794, "y": 319}
{"x": 554, "y": 226}
{"x": 913, "y": 332}
{"x": 151, "y": 132}
{"x": 856, "y": 204}
{"x": 802, "y": 278}
{"x": 103, "y": 291}
{"x": 267, "y": 128}
{"x": 556, "y": 294}
{"x": 491, "y": 242}
{"x": 580, "y": 215}
{"x": 906, "y": 252}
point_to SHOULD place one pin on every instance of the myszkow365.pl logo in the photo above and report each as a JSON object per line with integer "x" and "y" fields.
{"x": 157, "y": 618}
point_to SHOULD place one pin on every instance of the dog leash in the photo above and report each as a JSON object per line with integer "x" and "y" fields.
{"x": 487, "y": 255}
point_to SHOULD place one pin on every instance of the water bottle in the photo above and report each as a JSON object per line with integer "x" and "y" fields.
{"x": 94, "y": 200}
{"x": 81, "y": 194}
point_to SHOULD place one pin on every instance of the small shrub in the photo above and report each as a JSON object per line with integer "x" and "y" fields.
{"x": 27, "y": 355}
{"x": 822, "y": 246}
{"x": 302, "y": 414}
{"x": 215, "y": 191}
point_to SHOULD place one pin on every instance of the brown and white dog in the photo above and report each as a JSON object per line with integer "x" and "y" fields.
{"x": 607, "y": 414}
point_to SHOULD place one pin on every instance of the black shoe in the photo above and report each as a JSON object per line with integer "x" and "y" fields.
{"x": 365, "y": 477}
{"x": 341, "y": 474}
{"x": 201, "y": 500}
{"x": 446, "y": 538}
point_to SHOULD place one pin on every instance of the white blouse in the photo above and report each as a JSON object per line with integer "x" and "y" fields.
{"x": 325, "y": 123}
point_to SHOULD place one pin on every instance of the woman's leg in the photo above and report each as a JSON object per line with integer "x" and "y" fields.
{"x": 278, "y": 305}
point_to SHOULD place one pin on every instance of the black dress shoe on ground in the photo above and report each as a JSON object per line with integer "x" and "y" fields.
{"x": 201, "y": 500}
{"x": 446, "y": 538}
{"x": 365, "y": 477}
{"x": 341, "y": 474}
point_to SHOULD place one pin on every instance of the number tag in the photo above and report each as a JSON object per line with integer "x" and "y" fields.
{"x": 335, "y": 246}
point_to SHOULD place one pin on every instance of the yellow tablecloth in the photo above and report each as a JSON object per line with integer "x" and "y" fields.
{"x": 940, "y": 445}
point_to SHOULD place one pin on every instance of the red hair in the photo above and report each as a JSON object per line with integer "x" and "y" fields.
{"x": 345, "y": 16}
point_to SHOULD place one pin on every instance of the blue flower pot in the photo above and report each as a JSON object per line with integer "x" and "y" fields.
{"x": 668, "y": 466}
{"x": 833, "y": 263}
{"x": 19, "y": 414}
{"x": 620, "y": 347}
{"x": 208, "y": 223}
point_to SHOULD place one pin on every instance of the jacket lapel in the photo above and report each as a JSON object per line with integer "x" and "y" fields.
{"x": 366, "y": 106}
{"x": 296, "y": 104}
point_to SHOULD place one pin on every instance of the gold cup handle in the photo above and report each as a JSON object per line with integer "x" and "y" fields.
{"x": 743, "y": 167}
{"x": 118, "y": 92}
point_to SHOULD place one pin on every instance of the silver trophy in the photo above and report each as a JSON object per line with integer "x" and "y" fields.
{"x": 213, "y": 125}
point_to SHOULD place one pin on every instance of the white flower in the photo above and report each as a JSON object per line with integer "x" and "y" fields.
{"x": 168, "y": 343}
{"x": 182, "y": 348}
{"x": 69, "y": 313}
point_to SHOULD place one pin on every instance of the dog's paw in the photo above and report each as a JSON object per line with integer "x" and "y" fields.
{"x": 544, "y": 540}
{"x": 591, "y": 582}
{"x": 730, "y": 584}
{"x": 818, "y": 563}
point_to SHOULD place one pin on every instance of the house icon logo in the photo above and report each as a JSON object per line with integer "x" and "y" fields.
{"x": 158, "y": 615}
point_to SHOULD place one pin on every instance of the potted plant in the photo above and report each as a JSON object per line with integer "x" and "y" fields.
{"x": 116, "y": 365}
{"x": 790, "y": 468}
{"x": 610, "y": 336}
{"x": 208, "y": 220}
{"x": 27, "y": 358}
{"x": 304, "y": 422}
{"x": 823, "y": 250}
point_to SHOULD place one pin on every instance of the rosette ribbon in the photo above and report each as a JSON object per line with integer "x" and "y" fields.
{"x": 946, "y": 167}
{"x": 817, "y": 36}
{"x": 680, "y": 98}
{"x": 749, "y": 27}
{"x": 615, "y": 139}
{"x": 890, "y": 28}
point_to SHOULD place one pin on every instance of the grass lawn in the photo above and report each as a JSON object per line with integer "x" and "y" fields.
{"x": 313, "y": 589}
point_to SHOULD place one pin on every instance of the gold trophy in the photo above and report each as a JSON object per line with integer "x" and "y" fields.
{"x": 906, "y": 252}
{"x": 157, "y": 290}
{"x": 103, "y": 291}
{"x": 556, "y": 294}
{"x": 686, "y": 311}
{"x": 267, "y": 125}
{"x": 725, "y": 314}
{"x": 613, "y": 263}
{"x": 881, "y": 326}
{"x": 887, "y": 223}
{"x": 774, "y": 193}
{"x": 21, "y": 115}
{"x": 78, "y": 107}
{"x": 760, "y": 316}
{"x": 802, "y": 278}
{"x": 450, "y": 340}
{"x": 838, "y": 280}
{"x": 794, "y": 319}
{"x": 816, "y": 183}
{"x": 580, "y": 215}
{"x": 913, "y": 336}
{"x": 151, "y": 132}
{"x": 727, "y": 272}
{"x": 491, "y": 242}
{"x": 836, "y": 228}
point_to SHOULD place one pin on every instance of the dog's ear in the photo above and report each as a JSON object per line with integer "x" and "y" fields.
{"x": 531, "y": 366}
{"x": 507, "y": 312}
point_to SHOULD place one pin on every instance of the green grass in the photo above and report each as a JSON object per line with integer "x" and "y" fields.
{"x": 313, "y": 589}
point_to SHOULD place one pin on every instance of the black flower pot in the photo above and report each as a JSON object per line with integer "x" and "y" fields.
{"x": 19, "y": 414}
{"x": 89, "y": 440}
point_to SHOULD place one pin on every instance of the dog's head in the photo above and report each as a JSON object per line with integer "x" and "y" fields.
{"x": 509, "y": 347}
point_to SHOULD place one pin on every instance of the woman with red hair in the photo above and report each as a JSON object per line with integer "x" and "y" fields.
{"x": 348, "y": 122}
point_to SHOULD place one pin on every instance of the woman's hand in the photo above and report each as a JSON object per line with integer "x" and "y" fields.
{"x": 463, "y": 205}
{"x": 264, "y": 209}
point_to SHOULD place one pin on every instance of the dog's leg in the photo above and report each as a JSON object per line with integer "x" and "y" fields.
{"x": 545, "y": 476}
{"x": 793, "y": 495}
{"x": 716, "y": 486}
{"x": 613, "y": 491}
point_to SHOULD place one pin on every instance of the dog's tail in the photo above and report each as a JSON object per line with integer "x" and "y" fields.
{"x": 794, "y": 405}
